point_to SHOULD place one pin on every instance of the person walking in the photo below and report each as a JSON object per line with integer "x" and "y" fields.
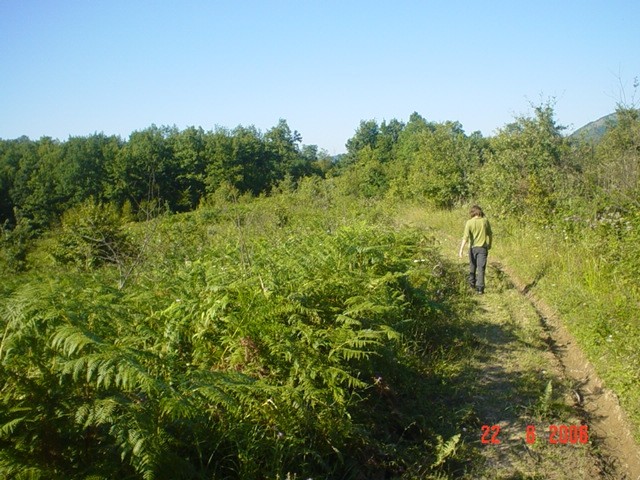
{"x": 477, "y": 231}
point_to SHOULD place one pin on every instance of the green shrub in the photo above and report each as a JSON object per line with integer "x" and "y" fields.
{"x": 92, "y": 235}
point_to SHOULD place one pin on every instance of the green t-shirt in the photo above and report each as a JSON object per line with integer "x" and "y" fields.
{"x": 478, "y": 231}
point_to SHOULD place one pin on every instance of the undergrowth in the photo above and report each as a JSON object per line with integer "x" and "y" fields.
{"x": 270, "y": 338}
{"x": 591, "y": 288}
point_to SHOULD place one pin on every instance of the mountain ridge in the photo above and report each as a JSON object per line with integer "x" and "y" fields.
{"x": 595, "y": 130}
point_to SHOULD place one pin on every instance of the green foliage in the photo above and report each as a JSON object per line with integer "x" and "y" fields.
{"x": 441, "y": 165}
{"x": 189, "y": 152}
{"x": 83, "y": 168}
{"x": 419, "y": 160}
{"x": 446, "y": 449}
{"x": 525, "y": 167}
{"x": 367, "y": 177}
{"x": 366, "y": 136}
{"x": 91, "y": 235}
{"x": 40, "y": 180}
{"x": 14, "y": 245}
{"x": 618, "y": 159}
{"x": 254, "y": 346}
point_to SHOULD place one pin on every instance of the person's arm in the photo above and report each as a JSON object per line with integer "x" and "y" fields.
{"x": 465, "y": 237}
{"x": 464, "y": 241}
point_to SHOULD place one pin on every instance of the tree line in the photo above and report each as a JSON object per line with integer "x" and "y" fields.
{"x": 529, "y": 167}
{"x": 41, "y": 179}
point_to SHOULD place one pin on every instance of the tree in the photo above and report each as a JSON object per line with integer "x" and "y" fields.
{"x": 190, "y": 157}
{"x": 388, "y": 138}
{"x": 37, "y": 187}
{"x": 618, "y": 158}
{"x": 366, "y": 177}
{"x": 282, "y": 146}
{"x": 250, "y": 156}
{"x": 441, "y": 165}
{"x": 366, "y": 136}
{"x": 83, "y": 171}
{"x": 11, "y": 154}
{"x": 145, "y": 169}
{"x": 222, "y": 167}
{"x": 526, "y": 165}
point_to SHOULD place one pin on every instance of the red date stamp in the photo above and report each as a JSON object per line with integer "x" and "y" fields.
{"x": 490, "y": 434}
{"x": 556, "y": 434}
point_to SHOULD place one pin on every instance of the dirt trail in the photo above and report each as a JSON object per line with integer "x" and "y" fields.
{"x": 598, "y": 406}
{"x": 517, "y": 383}
{"x": 529, "y": 371}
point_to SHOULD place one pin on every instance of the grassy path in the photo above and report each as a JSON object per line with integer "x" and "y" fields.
{"x": 524, "y": 371}
{"x": 516, "y": 382}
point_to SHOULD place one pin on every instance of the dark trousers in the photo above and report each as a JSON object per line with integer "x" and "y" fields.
{"x": 477, "y": 266}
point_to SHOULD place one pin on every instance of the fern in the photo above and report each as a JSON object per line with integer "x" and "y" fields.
{"x": 71, "y": 339}
{"x": 545, "y": 403}
{"x": 8, "y": 428}
{"x": 445, "y": 450}
{"x": 101, "y": 411}
{"x": 243, "y": 349}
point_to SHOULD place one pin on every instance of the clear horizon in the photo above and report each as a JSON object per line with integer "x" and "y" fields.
{"x": 76, "y": 68}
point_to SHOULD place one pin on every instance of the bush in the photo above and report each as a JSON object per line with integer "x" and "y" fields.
{"x": 92, "y": 235}
{"x": 14, "y": 245}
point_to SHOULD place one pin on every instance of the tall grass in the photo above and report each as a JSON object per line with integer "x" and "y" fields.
{"x": 588, "y": 281}
{"x": 577, "y": 276}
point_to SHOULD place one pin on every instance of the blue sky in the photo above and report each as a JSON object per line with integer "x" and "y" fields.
{"x": 73, "y": 68}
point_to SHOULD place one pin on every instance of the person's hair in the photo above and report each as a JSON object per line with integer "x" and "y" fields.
{"x": 476, "y": 210}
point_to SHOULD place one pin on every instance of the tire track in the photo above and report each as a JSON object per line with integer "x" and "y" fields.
{"x": 600, "y": 408}
{"x": 517, "y": 383}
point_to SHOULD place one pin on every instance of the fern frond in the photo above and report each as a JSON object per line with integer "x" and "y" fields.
{"x": 8, "y": 428}
{"x": 348, "y": 321}
{"x": 445, "y": 450}
{"x": 100, "y": 412}
{"x": 71, "y": 339}
{"x": 341, "y": 376}
{"x": 178, "y": 408}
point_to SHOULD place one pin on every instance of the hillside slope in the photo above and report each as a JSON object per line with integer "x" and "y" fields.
{"x": 594, "y": 131}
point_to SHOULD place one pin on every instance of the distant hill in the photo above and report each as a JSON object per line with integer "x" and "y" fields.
{"x": 594, "y": 131}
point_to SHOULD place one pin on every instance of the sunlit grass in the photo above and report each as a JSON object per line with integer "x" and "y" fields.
{"x": 600, "y": 309}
